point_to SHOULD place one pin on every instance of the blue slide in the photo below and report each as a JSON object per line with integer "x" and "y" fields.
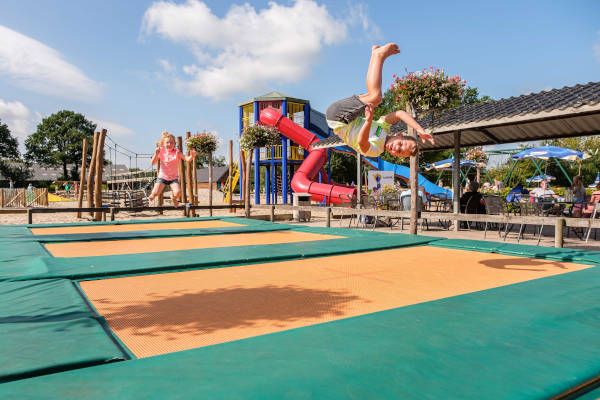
{"x": 318, "y": 126}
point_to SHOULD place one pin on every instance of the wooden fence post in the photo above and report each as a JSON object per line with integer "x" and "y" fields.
{"x": 182, "y": 173}
{"x": 230, "y": 188}
{"x": 189, "y": 175}
{"x": 99, "y": 170}
{"x": 328, "y": 224}
{"x": 558, "y": 232}
{"x": 210, "y": 183}
{"x": 82, "y": 175}
{"x": 91, "y": 173}
{"x": 161, "y": 197}
{"x": 29, "y": 216}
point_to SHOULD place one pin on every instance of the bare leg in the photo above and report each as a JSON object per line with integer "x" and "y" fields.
{"x": 176, "y": 189}
{"x": 378, "y": 57}
{"x": 158, "y": 188}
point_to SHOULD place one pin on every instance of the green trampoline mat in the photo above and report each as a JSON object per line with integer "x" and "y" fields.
{"x": 531, "y": 340}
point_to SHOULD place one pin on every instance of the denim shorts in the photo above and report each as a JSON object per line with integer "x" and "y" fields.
{"x": 166, "y": 182}
{"x": 346, "y": 110}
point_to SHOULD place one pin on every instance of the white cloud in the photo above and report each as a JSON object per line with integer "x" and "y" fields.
{"x": 114, "y": 129}
{"x": 596, "y": 47}
{"x": 19, "y": 119}
{"x": 247, "y": 50}
{"x": 34, "y": 66}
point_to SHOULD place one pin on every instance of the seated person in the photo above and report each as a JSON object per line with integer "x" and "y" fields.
{"x": 578, "y": 189}
{"x": 405, "y": 198}
{"x": 543, "y": 191}
{"x": 472, "y": 201}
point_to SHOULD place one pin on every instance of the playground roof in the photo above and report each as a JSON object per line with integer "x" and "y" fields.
{"x": 557, "y": 113}
{"x": 274, "y": 96}
{"x": 219, "y": 174}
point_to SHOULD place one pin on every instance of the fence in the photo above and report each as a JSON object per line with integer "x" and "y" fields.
{"x": 23, "y": 197}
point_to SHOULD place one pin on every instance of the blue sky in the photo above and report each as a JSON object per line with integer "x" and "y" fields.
{"x": 139, "y": 67}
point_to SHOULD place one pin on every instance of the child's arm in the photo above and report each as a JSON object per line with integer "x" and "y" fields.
{"x": 363, "y": 134}
{"x": 191, "y": 156}
{"x": 410, "y": 121}
{"x": 155, "y": 156}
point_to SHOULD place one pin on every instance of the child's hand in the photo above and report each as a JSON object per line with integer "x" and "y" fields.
{"x": 426, "y": 137}
{"x": 193, "y": 153}
{"x": 369, "y": 110}
{"x": 157, "y": 150}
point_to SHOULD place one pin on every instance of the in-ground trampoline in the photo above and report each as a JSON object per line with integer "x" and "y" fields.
{"x": 238, "y": 308}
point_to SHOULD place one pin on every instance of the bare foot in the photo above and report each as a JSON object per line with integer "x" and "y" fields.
{"x": 386, "y": 51}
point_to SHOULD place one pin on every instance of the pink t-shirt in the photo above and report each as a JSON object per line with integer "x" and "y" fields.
{"x": 169, "y": 163}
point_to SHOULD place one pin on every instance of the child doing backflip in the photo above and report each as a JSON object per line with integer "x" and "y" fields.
{"x": 352, "y": 118}
{"x": 169, "y": 157}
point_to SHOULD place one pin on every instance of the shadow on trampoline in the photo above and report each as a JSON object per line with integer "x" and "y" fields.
{"x": 513, "y": 263}
{"x": 208, "y": 311}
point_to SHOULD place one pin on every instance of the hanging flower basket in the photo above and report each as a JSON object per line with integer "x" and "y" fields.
{"x": 257, "y": 135}
{"x": 429, "y": 89}
{"x": 477, "y": 154}
{"x": 203, "y": 143}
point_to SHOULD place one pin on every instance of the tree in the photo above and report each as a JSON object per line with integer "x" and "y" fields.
{"x": 9, "y": 146}
{"x": 57, "y": 141}
{"x": 11, "y": 167}
{"x": 202, "y": 161}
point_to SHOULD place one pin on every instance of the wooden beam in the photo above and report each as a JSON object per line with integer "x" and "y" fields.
{"x": 99, "y": 170}
{"x": 456, "y": 177}
{"x": 92, "y": 173}
{"x": 82, "y": 175}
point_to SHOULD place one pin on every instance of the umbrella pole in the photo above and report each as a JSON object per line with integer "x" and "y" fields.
{"x": 564, "y": 172}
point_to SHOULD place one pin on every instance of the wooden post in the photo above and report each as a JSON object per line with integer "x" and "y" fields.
{"x": 414, "y": 177}
{"x": 161, "y": 197}
{"x": 91, "y": 173}
{"x": 112, "y": 213}
{"x": 210, "y": 184}
{"x": 272, "y": 214}
{"x": 182, "y": 174}
{"x": 189, "y": 174}
{"x": 456, "y": 179}
{"x": 1, "y": 197}
{"x": 328, "y": 224}
{"x": 558, "y": 232}
{"x": 99, "y": 170}
{"x": 82, "y": 175}
{"x": 29, "y": 216}
{"x": 358, "y": 186}
{"x": 195, "y": 185}
{"x": 24, "y": 197}
{"x": 247, "y": 185}
{"x": 230, "y": 188}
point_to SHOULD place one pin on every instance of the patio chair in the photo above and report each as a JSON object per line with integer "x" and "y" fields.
{"x": 595, "y": 214}
{"x": 347, "y": 202}
{"x": 367, "y": 203}
{"x": 406, "y": 206}
{"x": 494, "y": 205}
{"x": 531, "y": 209}
{"x": 474, "y": 206}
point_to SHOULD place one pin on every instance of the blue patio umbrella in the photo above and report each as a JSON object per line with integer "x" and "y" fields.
{"x": 597, "y": 181}
{"x": 449, "y": 162}
{"x": 539, "y": 178}
{"x": 547, "y": 152}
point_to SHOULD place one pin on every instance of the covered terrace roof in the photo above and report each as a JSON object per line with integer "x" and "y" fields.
{"x": 567, "y": 112}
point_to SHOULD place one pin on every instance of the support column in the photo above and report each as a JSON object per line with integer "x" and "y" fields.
{"x": 414, "y": 178}
{"x": 267, "y": 185}
{"x": 256, "y": 160}
{"x": 284, "y": 166}
{"x": 241, "y": 164}
{"x": 456, "y": 178}
{"x": 358, "y": 191}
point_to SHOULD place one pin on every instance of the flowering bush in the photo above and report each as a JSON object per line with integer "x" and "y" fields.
{"x": 203, "y": 143}
{"x": 257, "y": 135}
{"x": 386, "y": 192}
{"x": 428, "y": 89}
{"x": 476, "y": 154}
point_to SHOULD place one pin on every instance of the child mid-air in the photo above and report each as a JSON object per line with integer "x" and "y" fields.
{"x": 169, "y": 157}
{"x": 352, "y": 118}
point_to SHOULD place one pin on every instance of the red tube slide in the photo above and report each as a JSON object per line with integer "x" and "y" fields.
{"x": 302, "y": 181}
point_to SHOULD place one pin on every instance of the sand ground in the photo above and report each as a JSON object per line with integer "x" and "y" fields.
{"x": 433, "y": 229}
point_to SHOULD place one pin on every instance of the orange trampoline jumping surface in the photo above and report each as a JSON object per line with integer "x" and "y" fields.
{"x": 132, "y": 227}
{"x": 133, "y": 246}
{"x": 162, "y": 313}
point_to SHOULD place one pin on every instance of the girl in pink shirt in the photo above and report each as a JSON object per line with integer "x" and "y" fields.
{"x": 169, "y": 157}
